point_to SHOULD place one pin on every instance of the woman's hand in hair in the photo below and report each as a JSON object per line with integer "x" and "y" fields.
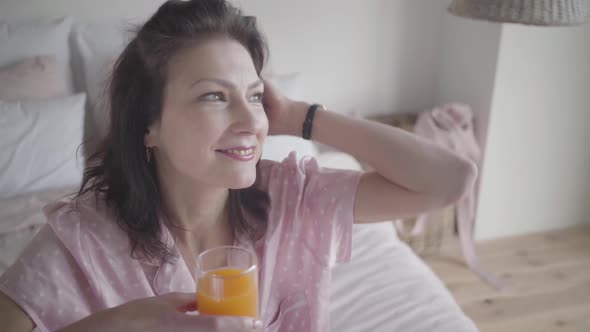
{"x": 169, "y": 312}
{"x": 285, "y": 116}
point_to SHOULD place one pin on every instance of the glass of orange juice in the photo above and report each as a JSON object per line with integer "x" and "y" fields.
{"x": 227, "y": 282}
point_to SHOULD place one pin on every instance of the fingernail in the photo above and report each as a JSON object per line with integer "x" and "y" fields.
{"x": 252, "y": 323}
{"x": 191, "y": 307}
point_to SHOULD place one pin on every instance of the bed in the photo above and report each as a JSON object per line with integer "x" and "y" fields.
{"x": 385, "y": 287}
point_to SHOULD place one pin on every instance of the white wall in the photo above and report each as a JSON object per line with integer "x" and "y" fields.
{"x": 467, "y": 68}
{"x": 537, "y": 170}
{"x": 367, "y": 56}
{"x": 530, "y": 89}
{"x": 85, "y": 10}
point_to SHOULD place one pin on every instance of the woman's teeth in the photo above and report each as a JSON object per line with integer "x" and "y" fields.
{"x": 241, "y": 152}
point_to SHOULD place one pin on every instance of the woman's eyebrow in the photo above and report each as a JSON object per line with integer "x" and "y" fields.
{"x": 226, "y": 83}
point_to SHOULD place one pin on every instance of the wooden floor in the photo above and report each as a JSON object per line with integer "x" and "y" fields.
{"x": 548, "y": 276}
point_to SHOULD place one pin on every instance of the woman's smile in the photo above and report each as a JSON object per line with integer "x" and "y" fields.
{"x": 241, "y": 153}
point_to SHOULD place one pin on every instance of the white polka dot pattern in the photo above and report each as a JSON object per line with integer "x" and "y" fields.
{"x": 304, "y": 241}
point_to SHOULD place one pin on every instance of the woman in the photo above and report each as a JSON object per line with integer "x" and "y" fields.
{"x": 179, "y": 173}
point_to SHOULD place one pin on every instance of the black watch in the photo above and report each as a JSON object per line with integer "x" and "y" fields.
{"x": 308, "y": 123}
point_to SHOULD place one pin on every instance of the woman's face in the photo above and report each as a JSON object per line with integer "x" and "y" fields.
{"x": 213, "y": 124}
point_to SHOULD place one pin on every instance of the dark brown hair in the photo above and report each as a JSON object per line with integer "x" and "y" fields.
{"x": 119, "y": 169}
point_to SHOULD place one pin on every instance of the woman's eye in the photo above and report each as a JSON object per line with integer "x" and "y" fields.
{"x": 213, "y": 96}
{"x": 257, "y": 97}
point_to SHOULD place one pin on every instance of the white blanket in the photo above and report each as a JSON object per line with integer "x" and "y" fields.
{"x": 386, "y": 287}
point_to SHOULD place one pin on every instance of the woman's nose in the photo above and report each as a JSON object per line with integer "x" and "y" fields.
{"x": 249, "y": 118}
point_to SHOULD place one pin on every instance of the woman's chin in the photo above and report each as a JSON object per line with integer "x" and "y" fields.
{"x": 242, "y": 183}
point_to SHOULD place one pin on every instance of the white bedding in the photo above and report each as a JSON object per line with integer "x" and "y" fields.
{"x": 386, "y": 287}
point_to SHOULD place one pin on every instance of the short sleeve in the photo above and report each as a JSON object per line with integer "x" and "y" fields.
{"x": 314, "y": 206}
{"x": 47, "y": 283}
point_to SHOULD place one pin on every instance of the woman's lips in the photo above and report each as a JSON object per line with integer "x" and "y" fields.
{"x": 239, "y": 153}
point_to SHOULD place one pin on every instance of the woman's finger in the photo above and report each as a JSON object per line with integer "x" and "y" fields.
{"x": 182, "y": 301}
{"x": 270, "y": 92}
{"x": 190, "y": 307}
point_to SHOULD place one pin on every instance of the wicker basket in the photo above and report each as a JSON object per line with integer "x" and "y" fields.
{"x": 442, "y": 228}
{"x": 440, "y": 231}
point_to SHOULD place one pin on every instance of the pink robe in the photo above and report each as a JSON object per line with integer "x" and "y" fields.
{"x": 80, "y": 262}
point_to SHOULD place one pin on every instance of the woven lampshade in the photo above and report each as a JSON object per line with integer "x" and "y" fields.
{"x": 529, "y": 12}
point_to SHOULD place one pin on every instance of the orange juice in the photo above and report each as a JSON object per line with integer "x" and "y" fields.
{"x": 228, "y": 292}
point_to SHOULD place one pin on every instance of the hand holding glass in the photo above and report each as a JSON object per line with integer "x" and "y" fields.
{"x": 227, "y": 282}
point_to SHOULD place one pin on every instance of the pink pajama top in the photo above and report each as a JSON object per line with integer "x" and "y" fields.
{"x": 80, "y": 263}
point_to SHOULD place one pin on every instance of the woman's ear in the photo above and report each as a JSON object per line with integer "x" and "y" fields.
{"x": 150, "y": 139}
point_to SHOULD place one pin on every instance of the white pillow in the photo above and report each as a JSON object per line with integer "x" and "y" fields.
{"x": 278, "y": 147}
{"x": 40, "y": 37}
{"x": 97, "y": 46}
{"x": 39, "y": 143}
